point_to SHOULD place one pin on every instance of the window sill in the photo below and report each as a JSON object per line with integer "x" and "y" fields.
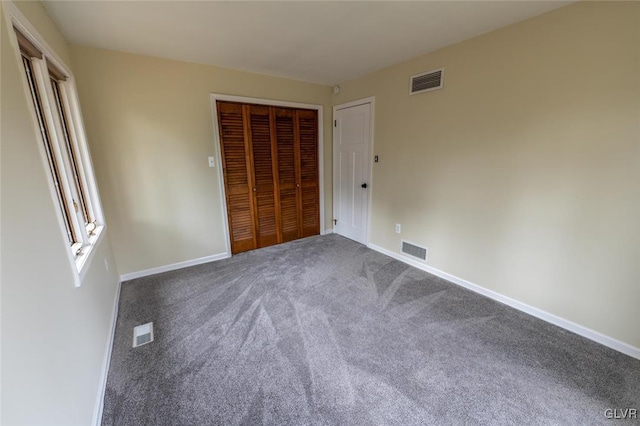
{"x": 83, "y": 261}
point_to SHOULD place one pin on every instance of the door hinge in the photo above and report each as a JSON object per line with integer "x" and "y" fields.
{"x": 335, "y": 221}
{"x": 335, "y": 123}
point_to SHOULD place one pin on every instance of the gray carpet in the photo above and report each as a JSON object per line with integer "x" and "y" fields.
{"x": 326, "y": 331}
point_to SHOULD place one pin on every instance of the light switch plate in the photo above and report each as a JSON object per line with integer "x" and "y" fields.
{"x": 212, "y": 161}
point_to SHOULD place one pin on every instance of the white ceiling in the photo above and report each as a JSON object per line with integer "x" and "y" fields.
{"x": 322, "y": 42}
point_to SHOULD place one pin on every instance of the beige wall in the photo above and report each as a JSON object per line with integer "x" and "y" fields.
{"x": 150, "y": 126}
{"x": 54, "y": 335}
{"x": 523, "y": 174}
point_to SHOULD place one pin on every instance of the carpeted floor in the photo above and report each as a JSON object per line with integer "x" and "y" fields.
{"x": 326, "y": 331}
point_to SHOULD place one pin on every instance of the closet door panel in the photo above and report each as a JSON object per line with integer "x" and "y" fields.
{"x": 264, "y": 176}
{"x": 309, "y": 175}
{"x": 287, "y": 173}
{"x": 237, "y": 176}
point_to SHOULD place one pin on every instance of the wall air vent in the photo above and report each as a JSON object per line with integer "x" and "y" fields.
{"x": 415, "y": 250}
{"x": 142, "y": 334}
{"x": 426, "y": 82}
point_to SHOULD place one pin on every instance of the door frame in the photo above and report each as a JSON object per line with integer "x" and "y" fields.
{"x": 372, "y": 102}
{"x": 218, "y": 150}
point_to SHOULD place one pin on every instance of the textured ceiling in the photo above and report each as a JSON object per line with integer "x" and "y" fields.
{"x": 322, "y": 42}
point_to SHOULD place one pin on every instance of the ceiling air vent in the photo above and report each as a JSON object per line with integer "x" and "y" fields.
{"x": 426, "y": 82}
{"x": 414, "y": 250}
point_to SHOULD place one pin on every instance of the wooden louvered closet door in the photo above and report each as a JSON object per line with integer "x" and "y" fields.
{"x": 288, "y": 174}
{"x": 264, "y": 179}
{"x": 237, "y": 175}
{"x": 270, "y": 161}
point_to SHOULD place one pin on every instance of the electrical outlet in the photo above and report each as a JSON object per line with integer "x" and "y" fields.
{"x": 212, "y": 161}
{"x": 398, "y": 228}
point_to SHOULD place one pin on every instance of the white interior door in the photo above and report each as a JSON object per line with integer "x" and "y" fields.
{"x": 351, "y": 144}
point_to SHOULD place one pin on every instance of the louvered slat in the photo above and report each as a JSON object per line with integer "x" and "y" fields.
{"x": 310, "y": 211}
{"x": 286, "y": 146}
{"x": 289, "y": 214}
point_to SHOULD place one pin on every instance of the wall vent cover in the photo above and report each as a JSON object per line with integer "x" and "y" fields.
{"x": 142, "y": 334}
{"x": 414, "y": 250}
{"x": 426, "y": 82}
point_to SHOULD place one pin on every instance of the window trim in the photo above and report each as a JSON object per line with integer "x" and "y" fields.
{"x": 51, "y": 161}
{"x": 56, "y": 136}
{"x": 53, "y": 121}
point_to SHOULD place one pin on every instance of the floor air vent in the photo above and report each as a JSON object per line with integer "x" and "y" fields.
{"x": 426, "y": 82}
{"x": 142, "y": 334}
{"x": 414, "y": 250}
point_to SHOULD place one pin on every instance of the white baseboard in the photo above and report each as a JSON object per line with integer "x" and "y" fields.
{"x": 97, "y": 412}
{"x": 615, "y": 344}
{"x": 173, "y": 266}
{"x": 327, "y": 231}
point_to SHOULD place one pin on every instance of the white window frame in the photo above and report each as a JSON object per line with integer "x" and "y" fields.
{"x": 80, "y": 253}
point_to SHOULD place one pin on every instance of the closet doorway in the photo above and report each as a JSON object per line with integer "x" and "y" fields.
{"x": 271, "y": 169}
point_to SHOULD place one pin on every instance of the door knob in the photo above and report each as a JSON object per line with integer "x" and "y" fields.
{"x": 364, "y": 185}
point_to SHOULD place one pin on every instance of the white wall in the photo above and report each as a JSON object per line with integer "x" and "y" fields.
{"x": 523, "y": 174}
{"x": 54, "y": 335}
